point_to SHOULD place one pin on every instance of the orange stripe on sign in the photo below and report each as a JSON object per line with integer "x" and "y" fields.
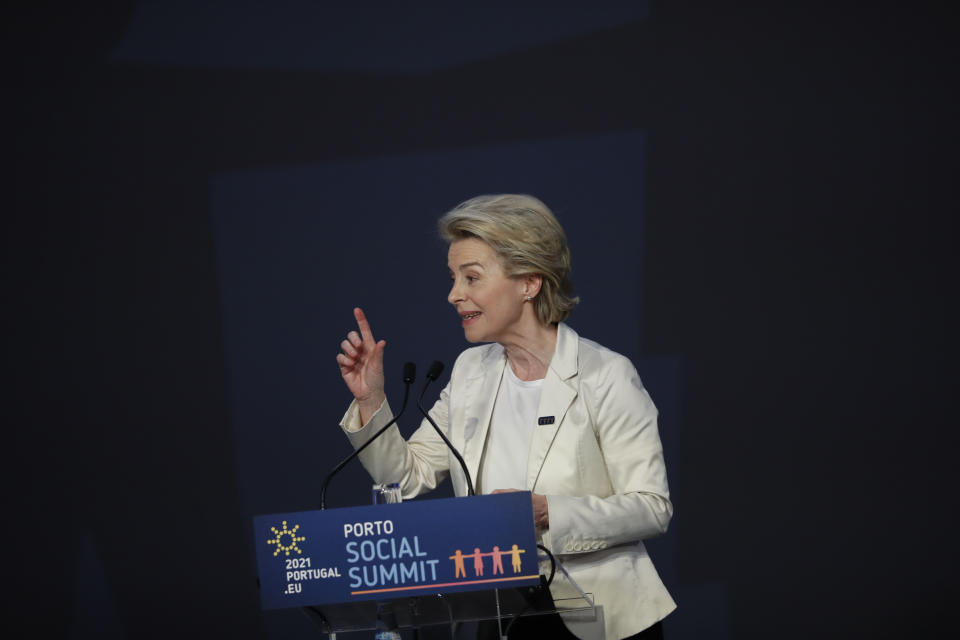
{"x": 442, "y": 584}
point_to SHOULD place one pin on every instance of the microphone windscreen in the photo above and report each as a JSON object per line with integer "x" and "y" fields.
{"x": 435, "y": 370}
{"x": 409, "y": 372}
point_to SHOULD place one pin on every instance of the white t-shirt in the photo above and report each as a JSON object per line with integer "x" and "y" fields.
{"x": 504, "y": 462}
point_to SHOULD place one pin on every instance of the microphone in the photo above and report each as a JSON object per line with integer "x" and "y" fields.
{"x": 432, "y": 374}
{"x": 409, "y": 373}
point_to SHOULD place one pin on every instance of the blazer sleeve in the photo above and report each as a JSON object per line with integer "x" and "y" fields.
{"x": 418, "y": 464}
{"x": 625, "y": 421}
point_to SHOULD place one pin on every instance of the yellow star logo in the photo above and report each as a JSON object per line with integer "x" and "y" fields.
{"x": 286, "y": 539}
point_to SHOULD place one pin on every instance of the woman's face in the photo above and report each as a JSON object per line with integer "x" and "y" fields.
{"x": 489, "y": 302}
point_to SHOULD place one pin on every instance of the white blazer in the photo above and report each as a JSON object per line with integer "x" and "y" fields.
{"x": 600, "y": 464}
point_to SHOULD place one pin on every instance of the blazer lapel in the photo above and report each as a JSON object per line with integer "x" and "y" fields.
{"x": 556, "y": 396}
{"x": 480, "y": 393}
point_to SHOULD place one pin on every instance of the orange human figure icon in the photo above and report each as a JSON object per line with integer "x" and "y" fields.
{"x": 515, "y": 556}
{"x": 497, "y": 560}
{"x": 457, "y": 558}
{"x": 477, "y": 562}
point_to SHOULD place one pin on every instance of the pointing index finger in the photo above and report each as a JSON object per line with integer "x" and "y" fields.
{"x": 365, "y": 331}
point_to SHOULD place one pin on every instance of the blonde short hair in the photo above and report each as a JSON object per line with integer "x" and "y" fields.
{"x": 527, "y": 239}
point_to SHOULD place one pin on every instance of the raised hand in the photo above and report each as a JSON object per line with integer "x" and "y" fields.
{"x": 361, "y": 365}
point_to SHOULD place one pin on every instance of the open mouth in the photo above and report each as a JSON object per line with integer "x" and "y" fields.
{"x": 471, "y": 315}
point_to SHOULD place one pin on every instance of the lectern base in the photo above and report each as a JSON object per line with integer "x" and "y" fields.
{"x": 449, "y": 608}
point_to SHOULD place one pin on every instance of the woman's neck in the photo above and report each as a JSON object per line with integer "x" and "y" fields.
{"x": 530, "y": 350}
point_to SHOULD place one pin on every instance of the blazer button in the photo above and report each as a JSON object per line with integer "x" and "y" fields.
{"x": 569, "y": 547}
{"x": 578, "y": 547}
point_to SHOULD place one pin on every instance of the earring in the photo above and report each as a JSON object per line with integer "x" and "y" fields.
{"x": 529, "y": 298}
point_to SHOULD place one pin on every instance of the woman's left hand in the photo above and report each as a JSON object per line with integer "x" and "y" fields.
{"x": 541, "y": 515}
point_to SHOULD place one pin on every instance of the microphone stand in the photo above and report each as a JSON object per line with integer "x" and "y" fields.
{"x": 409, "y": 373}
{"x": 432, "y": 374}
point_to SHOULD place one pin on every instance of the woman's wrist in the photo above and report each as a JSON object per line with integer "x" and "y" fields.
{"x": 369, "y": 406}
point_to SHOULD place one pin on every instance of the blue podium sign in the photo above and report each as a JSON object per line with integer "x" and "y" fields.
{"x": 387, "y": 551}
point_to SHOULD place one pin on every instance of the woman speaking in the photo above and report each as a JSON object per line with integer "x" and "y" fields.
{"x": 538, "y": 409}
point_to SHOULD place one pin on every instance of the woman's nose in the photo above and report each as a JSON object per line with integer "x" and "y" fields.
{"x": 454, "y": 296}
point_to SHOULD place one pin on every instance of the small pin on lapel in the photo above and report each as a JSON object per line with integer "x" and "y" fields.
{"x": 545, "y": 420}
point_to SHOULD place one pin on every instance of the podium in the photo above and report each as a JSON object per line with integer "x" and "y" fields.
{"x": 418, "y": 563}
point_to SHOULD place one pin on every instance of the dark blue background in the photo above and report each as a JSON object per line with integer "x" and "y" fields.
{"x": 778, "y": 181}
{"x": 298, "y": 248}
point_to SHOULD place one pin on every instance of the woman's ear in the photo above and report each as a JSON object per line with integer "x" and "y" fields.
{"x": 532, "y": 284}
